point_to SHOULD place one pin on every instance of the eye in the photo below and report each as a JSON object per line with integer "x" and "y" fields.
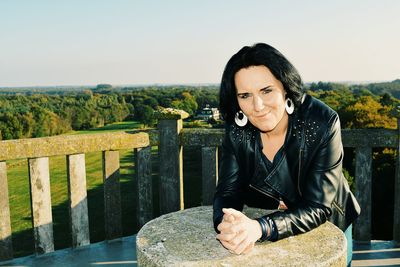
{"x": 266, "y": 90}
{"x": 243, "y": 95}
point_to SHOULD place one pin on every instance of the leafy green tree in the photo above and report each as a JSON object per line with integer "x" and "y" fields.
{"x": 145, "y": 115}
{"x": 186, "y": 102}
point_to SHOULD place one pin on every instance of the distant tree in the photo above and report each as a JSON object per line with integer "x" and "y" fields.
{"x": 386, "y": 100}
{"x": 151, "y": 101}
{"x": 186, "y": 102}
{"x": 104, "y": 86}
{"x": 145, "y": 115}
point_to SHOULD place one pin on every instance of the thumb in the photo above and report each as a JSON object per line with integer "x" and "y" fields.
{"x": 229, "y": 218}
{"x": 230, "y": 211}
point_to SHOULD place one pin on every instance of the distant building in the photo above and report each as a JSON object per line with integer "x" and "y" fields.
{"x": 208, "y": 113}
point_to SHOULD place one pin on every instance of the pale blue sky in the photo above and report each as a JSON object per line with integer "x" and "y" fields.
{"x": 87, "y": 42}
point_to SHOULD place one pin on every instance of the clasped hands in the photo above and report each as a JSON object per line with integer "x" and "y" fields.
{"x": 238, "y": 233}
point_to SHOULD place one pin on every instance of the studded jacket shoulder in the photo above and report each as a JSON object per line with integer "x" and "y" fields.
{"x": 308, "y": 177}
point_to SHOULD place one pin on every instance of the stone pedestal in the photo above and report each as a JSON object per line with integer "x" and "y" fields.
{"x": 187, "y": 238}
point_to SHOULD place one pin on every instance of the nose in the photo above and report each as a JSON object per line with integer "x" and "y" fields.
{"x": 258, "y": 103}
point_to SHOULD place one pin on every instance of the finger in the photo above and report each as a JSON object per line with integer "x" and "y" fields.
{"x": 239, "y": 238}
{"x": 242, "y": 246}
{"x": 228, "y": 246}
{"x": 235, "y": 213}
{"x": 225, "y": 227}
{"x": 228, "y": 218}
{"x": 225, "y": 236}
{"x": 249, "y": 248}
{"x": 239, "y": 227}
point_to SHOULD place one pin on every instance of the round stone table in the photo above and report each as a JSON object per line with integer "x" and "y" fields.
{"x": 187, "y": 238}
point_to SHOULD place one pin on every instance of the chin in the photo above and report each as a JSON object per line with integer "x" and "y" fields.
{"x": 265, "y": 127}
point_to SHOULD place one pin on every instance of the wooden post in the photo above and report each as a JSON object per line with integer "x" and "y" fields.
{"x": 171, "y": 166}
{"x": 362, "y": 228}
{"x": 209, "y": 173}
{"x": 396, "y": 215}
{"x": 6, "y": 250}
{"x": 144, "y": 186}
{"x": 77, "y": 194}
{"x": 112, "y": 195}
{"x": 42, "y": 221}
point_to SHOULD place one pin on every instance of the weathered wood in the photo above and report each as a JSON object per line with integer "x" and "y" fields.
{"x": 144, "y": 186}
{"x": 370, "y": 137}
{"x": 42, "y": 221}
{"x": 202, "y": 137}
{"x": 67, "y": 145}
{"x": 209, "y": 170}
{"x": 350, "y": 137}
{"x": 6, "y": 250}
{"x": 396, "y": 215}
{"x": 70, "y": 144}
{"x": 363, "y": 180}
{"x": 112, "y": 195}
{"x": 171, "y": 171}
{"x": 78, "y": 208}
{"x": 153, "y": 135}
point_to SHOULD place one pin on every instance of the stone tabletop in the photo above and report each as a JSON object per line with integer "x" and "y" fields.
{"x": 187, "y": 238}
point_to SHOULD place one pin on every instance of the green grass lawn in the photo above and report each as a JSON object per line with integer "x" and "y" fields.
{"x": 18, "y": 183}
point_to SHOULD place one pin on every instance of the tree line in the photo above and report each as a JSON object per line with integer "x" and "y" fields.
{"x": 38, "y": 115}
{"x": 41, "y": 114}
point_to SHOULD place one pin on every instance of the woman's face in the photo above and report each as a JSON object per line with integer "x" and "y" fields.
{"x": 260, "y": 96}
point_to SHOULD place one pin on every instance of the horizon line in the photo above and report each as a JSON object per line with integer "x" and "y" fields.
{"x": 174, "y": 84}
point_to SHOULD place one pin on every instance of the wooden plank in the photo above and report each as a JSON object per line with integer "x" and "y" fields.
{"x": 42, "y": 221}
{"x": 372, "y": 137}
{"x": 396, "y": 215}
{"x": 78, "y": 208}
{"x": 363, "y": 180}
{"x": 112, "y": 195}
{"x": 209, "y": 173}
{"x": 73, "y": 144}
{"x": 202, "y": 137}
{"x": 350, "y": 137}
{"x": 6, "y": 250}
{"x": 171, "y": 170}
{"x": 144, "y": 184}
{"x": 70, "y": 144}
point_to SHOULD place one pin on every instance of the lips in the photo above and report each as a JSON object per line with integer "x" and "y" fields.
{"x": 261, "y": 116}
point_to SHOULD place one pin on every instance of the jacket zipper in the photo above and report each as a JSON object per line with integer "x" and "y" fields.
{"x": 298, "y": 177}
{"x": 338, "y": 208}
{"x": 263, "y": 192}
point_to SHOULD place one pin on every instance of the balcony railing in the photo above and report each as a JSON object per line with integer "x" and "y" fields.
{"x": 170, "y": 137}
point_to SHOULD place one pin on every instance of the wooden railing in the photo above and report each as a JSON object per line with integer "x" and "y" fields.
{"x": 37, "y": 151}
{"x": 170, "y": 138}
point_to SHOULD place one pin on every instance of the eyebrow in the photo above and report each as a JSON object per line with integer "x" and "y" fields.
{"x": 266, "y": 87}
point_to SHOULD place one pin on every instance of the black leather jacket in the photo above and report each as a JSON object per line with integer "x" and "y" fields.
{"x": 308, "y": 177}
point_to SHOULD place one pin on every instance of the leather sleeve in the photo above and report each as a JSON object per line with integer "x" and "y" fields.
{"x": 229, "y": 191}
{"x": 320, "y": 186}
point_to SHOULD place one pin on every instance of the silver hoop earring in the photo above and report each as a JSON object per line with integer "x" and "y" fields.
{"x": 289, "y": 106}
{"x": 240, "y": 118}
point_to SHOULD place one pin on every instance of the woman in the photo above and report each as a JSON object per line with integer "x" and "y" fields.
{"x": 282, "y": 150}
